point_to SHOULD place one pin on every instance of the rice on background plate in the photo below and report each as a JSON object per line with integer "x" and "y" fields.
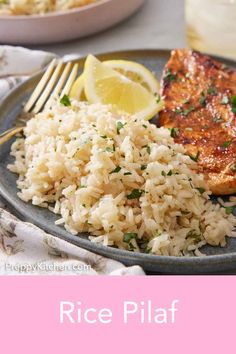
{"x": 122, "y": 180}
{"x": 33, "y": 7}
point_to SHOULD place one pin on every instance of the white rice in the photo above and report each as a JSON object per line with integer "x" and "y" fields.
{"x": 230, "y": 203}
{"x": 85, "y": 162}
{"x": 33, "y": 7}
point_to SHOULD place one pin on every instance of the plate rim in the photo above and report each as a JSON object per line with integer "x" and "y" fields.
{"x": 134, "y": 257}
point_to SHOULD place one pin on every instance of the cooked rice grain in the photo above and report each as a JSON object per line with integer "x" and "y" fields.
{"x": 122, "y": 180}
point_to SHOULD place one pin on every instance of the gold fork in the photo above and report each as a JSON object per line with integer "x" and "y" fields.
{"x": 57, "y": 80}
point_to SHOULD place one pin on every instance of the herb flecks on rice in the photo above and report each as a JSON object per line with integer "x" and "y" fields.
{"x": 129, "y": 186}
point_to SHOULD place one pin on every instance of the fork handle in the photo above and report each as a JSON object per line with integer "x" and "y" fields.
{"x": 8, "y": 134}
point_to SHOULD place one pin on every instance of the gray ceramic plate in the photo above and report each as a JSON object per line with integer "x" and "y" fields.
{"x": 217, "y": 259}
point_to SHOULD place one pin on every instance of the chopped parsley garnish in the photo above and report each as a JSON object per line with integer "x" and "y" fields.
{"x": 103, "y": 136}
{"x": 193, "y": 234}
{"x": 148, "y": 148}
{"x": 186, "y": 100}
{"x": 119, "y": 126}
{"x": 217, "y": 119}
{"x": 129, "y": 236}
{"x": 229, "y": 210}
{"x": 178, "y": 110}
{"x": 163, "y": 173}
{"x": 225, "y": 100}
{"x": 145, "y": 126}
{"x": 116, "y": 170}
{"x": 127, "y": 173}
{"x": 65, "y": 100}
{"x": 212, "y": 91}
{"x": 234, "y": 104}
{"x": 174, "y": 132}
{"x": 184, "y": 112}
{"x": 82, "y": 186}
{"x": 169, "y": 76}
{"x": 143, "y": 167}
{"x": 109, "y": 149}
{"x": 157, "y": 96}
{"x": 202, "y": 99}
{"x": 201, "y": 190}
{"x": 135, "y": 194}
{"x": 196, "y": 157}
{"x": 226, "y": 144}
{"x": 189, "y": 110}
{"x": 170, "y": 173}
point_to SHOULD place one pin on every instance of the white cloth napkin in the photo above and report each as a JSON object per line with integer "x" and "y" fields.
{"x": 17, "y": 64}
{"x": 24, "y": 248}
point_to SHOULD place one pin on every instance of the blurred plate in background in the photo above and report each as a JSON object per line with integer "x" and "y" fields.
{"x": 62, "y": 26}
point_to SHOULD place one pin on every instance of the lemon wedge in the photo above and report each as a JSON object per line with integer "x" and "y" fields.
{"x": 103, "y": 84}
{"x": 135, "y": 72}
{"x": 77, "y": 90}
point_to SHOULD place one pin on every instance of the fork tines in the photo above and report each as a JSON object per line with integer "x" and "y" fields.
{"x": 57, "y": 80}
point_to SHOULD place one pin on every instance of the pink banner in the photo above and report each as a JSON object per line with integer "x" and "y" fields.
{"x": 117, "y": 315}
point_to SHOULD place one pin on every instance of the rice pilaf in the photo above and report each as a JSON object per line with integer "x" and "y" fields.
{"x": 121, "y": 179}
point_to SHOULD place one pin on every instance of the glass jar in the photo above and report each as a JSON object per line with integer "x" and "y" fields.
{"x": 211, "y": 26}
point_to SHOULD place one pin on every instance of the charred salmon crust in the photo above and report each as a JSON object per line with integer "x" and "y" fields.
{"x": 200, "y": 109}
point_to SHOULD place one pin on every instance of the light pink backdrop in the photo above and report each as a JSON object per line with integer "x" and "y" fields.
{"x": 29, "y": 315}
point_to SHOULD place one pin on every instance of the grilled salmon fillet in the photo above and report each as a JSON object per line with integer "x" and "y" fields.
{"x": 200, "y": 107}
